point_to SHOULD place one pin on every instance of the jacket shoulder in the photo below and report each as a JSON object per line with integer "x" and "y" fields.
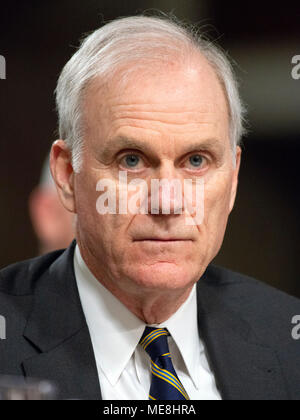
{"x": 268, "y": 310}
{"x": 21, "y": 278}
{"x": 245, "y": 285}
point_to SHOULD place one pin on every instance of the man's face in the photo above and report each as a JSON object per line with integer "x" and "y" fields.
{"x": 172, "y": 124}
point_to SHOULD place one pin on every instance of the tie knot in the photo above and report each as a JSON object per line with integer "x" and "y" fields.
{"x": 154, "y": 341}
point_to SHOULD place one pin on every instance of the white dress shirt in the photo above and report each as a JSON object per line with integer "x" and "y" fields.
{"x": 123, "y": 365}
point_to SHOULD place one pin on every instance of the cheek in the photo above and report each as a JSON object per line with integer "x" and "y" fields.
{"x": 217, "y": 202}
{"x": 85, "y": 196}
{"x": 92, "y": 202}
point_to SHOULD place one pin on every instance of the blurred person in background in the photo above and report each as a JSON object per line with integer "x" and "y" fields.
{"x": 52, "y": 223}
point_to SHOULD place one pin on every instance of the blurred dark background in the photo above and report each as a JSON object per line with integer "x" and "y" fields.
{"x": 38, "y": 37}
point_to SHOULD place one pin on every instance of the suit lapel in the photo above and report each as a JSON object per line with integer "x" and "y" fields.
{"x": 244, "y": 368}
{"x": 57, "y": 329}
{"x": 70, "y": 366}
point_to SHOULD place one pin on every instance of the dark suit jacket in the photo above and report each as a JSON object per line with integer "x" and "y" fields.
{"x": 245, "y": 325}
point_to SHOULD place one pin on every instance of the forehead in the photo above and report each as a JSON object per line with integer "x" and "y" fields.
{"x": 165, "y": 99}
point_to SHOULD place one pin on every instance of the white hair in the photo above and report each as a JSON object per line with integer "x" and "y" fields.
{"x": 140, "y": 41}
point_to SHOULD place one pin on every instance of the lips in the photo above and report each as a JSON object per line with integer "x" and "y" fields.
{"x": 163, "y": 240}
{"x": 174, "y": 235}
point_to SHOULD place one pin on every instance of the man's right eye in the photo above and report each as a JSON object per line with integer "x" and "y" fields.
{"x": 132, "y": 161}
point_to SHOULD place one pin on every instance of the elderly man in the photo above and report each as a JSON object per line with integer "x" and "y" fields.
{"x": 133, "y": 309}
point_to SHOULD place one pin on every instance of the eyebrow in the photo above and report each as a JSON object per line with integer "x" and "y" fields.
{"x": 122, "y": 142}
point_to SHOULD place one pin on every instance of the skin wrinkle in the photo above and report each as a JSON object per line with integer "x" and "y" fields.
{"x": 136, "y": 121}
{"x": 158, "y": 117}
{"x": 152, "y": 279}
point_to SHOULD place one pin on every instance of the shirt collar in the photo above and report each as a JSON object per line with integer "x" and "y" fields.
{"x": 183, "y": 327}
{"x": 115, "y": 331}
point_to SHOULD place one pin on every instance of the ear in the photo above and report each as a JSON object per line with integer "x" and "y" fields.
{"x": 63, "y": 174}
{"x": 235, "y": 177}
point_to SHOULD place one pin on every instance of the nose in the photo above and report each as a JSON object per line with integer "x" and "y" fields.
{"x": 166, "y": 191}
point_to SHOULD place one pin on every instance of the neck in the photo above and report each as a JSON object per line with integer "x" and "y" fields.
{"x": 152, "y": 306}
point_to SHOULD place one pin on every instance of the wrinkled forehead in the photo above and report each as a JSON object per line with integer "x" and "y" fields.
{"x": 171, "y": 94}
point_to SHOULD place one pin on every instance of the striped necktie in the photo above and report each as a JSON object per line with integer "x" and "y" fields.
{"x": 165, "y": 384}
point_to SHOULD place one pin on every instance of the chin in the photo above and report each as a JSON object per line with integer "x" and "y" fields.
{"x": 164, "y": 276}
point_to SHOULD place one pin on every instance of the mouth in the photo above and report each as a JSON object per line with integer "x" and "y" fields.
{"x": 163, "y": 240}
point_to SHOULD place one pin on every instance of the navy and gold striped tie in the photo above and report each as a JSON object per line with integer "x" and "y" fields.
{"x": 165, "y": 384}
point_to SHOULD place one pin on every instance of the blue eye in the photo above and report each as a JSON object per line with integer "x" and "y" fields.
{"x": 132, "y": 160}
{"x": 196, "y": 160}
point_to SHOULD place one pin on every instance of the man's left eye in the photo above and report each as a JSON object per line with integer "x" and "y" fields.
{"x": 196, "y": 161}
